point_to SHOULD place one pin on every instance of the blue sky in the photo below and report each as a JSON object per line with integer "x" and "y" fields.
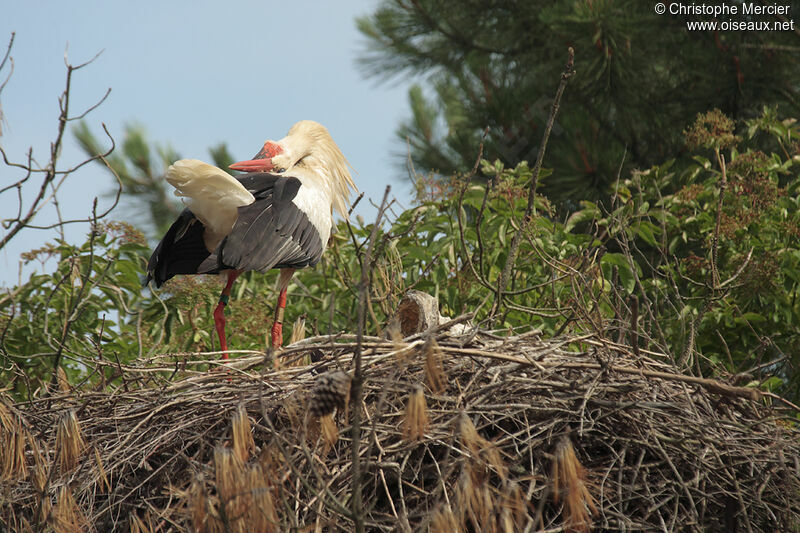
{"x": 193, "y": 74}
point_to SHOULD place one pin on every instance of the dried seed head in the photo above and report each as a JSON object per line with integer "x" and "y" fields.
{"x": 69, "y": 442}
{"x": 63, "y": 382}
{"x": 434, "y": 369}
{"x": 331, "y": 391}
{"x": 416, "y": 419}
{"x": 102, "y": 477}
{"x": 569, "y": 483}
{"x": 243, "y": 442}
{"x": 66, "y": 515}
{"x": 12, "y": 442}
{"x": 444, "y": 521}
{"x": 298, "y": 330}
{"x": 330, "y": 434}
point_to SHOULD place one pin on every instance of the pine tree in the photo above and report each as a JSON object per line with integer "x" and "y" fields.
{"x": 641, "y": 78}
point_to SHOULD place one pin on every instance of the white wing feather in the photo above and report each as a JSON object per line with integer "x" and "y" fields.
{"x": 210, "y": 193}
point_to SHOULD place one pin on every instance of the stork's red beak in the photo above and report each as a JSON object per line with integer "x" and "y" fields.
{"x": 262, "y": 161}
{"x": 258, "y": 164}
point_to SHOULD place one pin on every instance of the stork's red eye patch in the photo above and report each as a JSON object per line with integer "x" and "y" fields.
{"x": 272, "y": 149}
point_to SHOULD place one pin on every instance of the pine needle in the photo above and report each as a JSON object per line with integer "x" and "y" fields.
{"x": 229, "y": 477}
{"x": 67, "y": 517}
{"x": 444, "y": 521}
{"x": 298, "y": 330}
{"x": 137, "y": 525}
{"x": 102, "y": 477}
{"x": 197, "y": 504}
{"x": 481, "y": 450}
{"x": 261, "y": 512}
{"x": 63, "y": 382}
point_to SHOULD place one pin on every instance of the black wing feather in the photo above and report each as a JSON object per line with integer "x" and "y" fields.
{"x": 272, "y": 232}
{"x": 181, "y": 251}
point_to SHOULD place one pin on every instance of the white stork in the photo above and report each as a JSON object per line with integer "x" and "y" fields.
{"x": 278, "y": 215}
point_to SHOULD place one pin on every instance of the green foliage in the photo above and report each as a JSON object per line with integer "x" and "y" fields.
{"x": 640, "y": 78}
{"x": 77, "y": 314}
{"x": 713, "y": 251}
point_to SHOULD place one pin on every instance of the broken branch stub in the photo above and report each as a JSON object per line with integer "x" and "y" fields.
{"x": 418, "y": 312}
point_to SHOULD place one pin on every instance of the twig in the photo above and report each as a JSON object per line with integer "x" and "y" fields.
{"x": 530, "y": 210}
{"x": 50, "y": 171}
{"x": 478, "y": 274}
{"x": 723, "y": 182}
{"x": 357, "y": 394}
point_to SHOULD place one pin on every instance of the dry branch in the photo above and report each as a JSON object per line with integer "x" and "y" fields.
{"x": 52, "y": 177}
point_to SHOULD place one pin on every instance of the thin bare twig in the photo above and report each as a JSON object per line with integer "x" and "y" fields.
{"x": 357, "y": 508}
{"x": 50, "y": 182}
{"x": 530, "y": 210}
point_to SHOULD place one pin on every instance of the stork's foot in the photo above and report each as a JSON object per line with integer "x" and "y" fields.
{"x": 277, "y": 335}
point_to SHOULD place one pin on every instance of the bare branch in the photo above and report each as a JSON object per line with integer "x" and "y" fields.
{"x": 530, "y": 210}
{"x": 478, "y": 275}
{"x": 357, "y": 508}
{"x": 7, "y": 58}
{"x": 52, "y": 179}
{"x": 92, "y": 108}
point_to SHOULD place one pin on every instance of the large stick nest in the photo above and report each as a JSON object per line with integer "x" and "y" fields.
{"x": 514, "y": 434}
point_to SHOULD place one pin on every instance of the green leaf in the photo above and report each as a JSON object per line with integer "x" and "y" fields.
{"x": 647, "y": 230}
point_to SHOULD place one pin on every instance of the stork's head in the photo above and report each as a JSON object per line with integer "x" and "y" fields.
{"x": 308, "y": 145}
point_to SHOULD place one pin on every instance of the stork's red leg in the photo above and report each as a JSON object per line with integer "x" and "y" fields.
{"x": 277, "y": 325}
{"x": 219, "y": 312}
